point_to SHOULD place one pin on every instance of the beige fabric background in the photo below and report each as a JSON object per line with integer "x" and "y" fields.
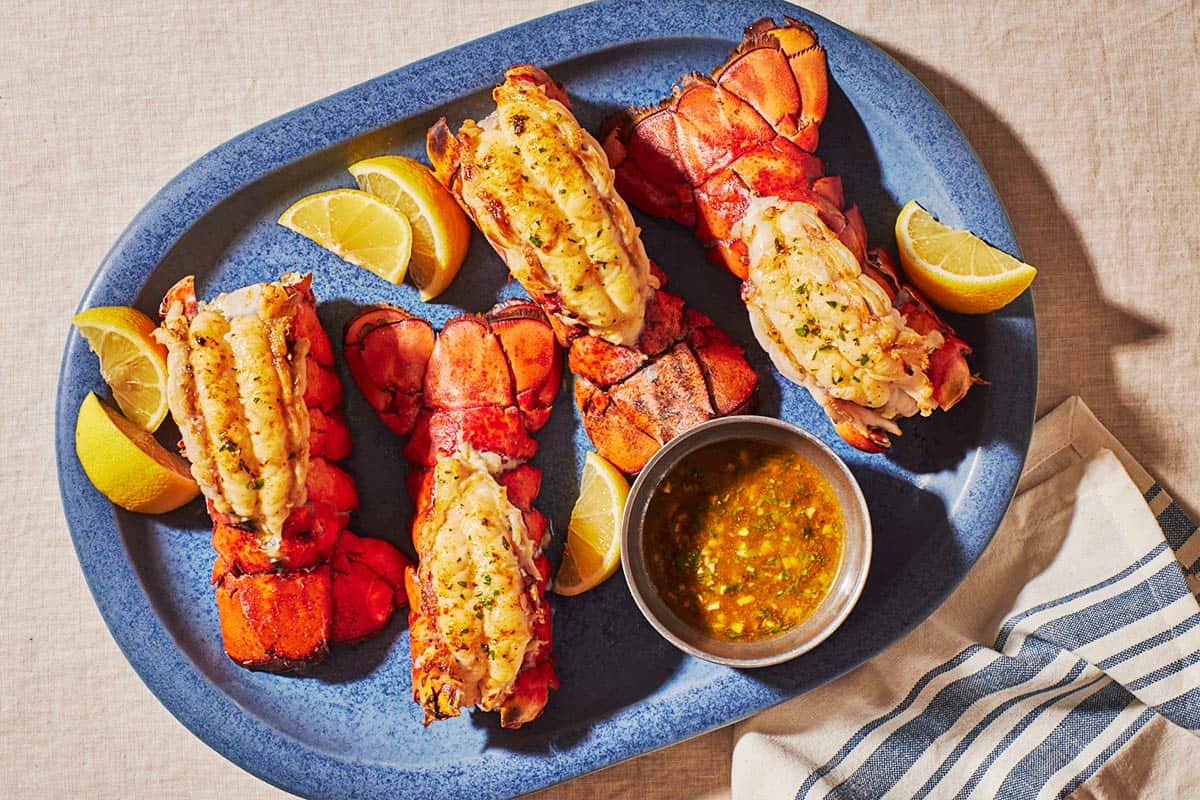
{"x": 1087, "y": 116}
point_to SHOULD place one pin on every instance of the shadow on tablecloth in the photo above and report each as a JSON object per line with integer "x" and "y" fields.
{"x": 1079, "y": 329}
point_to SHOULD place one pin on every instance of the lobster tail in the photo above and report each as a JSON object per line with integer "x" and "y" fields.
{"x": 750, "y": 125}
{"x": 731, "y": 155}
{"x": 469, "y": 398}
{"x": 252, "y": 387}
{"x": 541, "y": 190}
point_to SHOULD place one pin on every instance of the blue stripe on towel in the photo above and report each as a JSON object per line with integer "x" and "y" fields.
{"x": 1014, "y": 733}
{"x": 1074, "y": 732}
{"x": 1183, "y": 710}
{"x": 888, "y": 763}
{"x": 1107, "y": 753}
{"x": 1012, "y": 622}
{"x": 1165, "y": 671}
{"x": 1113, "y": 613}
{"x": 1176, "y": 526}
{"x": 865, "y": 730}
{"x": 1006, "y": 631}
{"x": 1152, "y": 493}
{"x": 1150, "y": 643}
{"x": 965, "y": 742}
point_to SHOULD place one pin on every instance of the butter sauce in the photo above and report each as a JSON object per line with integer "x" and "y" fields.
{"x": 744, "y": 539}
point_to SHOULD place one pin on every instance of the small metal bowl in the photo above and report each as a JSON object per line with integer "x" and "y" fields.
{"x": 847, "y": 584}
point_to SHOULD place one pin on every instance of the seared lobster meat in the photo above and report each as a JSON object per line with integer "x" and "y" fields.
{"x": 541, "y": 190}
{"x": 470, "y": 397}
{"x": 252, "y": 389}
{"x": 731, "y": 155}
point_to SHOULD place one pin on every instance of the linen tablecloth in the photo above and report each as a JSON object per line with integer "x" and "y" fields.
{"x": 1086, "y": 115}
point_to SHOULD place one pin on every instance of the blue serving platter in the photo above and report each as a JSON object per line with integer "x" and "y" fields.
{"x": 348, "y": 728}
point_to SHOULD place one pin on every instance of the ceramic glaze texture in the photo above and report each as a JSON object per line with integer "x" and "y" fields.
{"x": 349, "y": 728}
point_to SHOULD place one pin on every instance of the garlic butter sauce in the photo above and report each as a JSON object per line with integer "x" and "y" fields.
{"x": 743, "y": 539}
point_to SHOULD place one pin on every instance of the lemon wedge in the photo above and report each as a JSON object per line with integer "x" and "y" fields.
{"x": 593, "y": 550}
{"x": 441, "y": 232}
{"x": 956, "y": 269}
{"x": 356, "y": 226}
{"x": 132, "y": 364}
{"x": 127, "y": 464}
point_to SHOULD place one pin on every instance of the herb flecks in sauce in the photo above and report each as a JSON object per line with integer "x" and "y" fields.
{"x": 744, "y": 539}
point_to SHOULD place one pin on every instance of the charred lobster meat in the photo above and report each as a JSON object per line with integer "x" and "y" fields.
{"x": 731, "y": 155}
{"x": 252, "y": 388}
{"x": 540, "y": 189}
{"x": 469, "y": 398}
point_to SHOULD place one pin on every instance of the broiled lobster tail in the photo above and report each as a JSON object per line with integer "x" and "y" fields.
{"x": 252, "y": 388}
{"x": 731, "y": 154}
{"x": 752, "y": 123}
{"x": 541, "y": 190}
{"x": 469, "y": 398}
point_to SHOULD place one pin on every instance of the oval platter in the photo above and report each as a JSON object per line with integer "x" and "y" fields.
{"x": 348, "y": 728}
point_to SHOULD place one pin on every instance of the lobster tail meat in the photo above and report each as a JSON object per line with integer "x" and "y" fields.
{"x": 582, "y": 250}
{"x": 470, "y": 397}
{"x": 844, "y": 338}
{"x": 252, "y": 389}
{"x": 731, "y": 155}
{"x": 542, "y": 191}
{"x": 237, "y": 396}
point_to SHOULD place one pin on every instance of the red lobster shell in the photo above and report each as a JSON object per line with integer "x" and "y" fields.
{"x": 282, "y": 598}
{"x": 747, "y": 132}
{"x": 469, "y": 398}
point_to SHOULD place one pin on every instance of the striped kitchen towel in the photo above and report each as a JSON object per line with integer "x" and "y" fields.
{"x": 1067, "y": 664}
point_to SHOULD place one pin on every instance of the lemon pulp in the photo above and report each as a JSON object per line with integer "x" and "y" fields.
{"x": 132, "y": 364}
{"x": 356, "y": 226}
{"x": 440, "y": 230}
{"x": 954, "y": 268}
{"x": 593, "y": 549}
